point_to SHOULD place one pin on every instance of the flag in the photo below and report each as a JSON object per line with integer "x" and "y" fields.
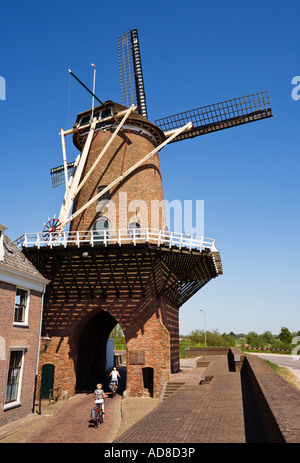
{"x": 92, "y": 64}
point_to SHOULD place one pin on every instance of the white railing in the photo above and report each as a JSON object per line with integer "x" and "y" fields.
{"x": 134, "y": 236}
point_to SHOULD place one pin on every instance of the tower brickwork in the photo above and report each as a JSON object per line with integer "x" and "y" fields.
{"x": 138, "y": 282}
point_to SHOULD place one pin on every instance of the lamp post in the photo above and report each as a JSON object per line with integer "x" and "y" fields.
{"x": 204, "y": 326}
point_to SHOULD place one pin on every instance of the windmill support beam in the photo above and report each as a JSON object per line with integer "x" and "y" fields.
{"x": 67, "y": 203}
{"x": 189, "y": 125}
{"x": 128, "y": 112}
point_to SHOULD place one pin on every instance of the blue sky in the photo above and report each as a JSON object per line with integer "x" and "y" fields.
{"x": 193, "y": 54}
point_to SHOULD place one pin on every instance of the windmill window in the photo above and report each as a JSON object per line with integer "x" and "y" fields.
{"x": 100, "y": 230}
{"x": 134, "y": 230}
{"x": 106, "y": 195}
{"x": 84, "y": 120}
{"x": 106, "y": 113}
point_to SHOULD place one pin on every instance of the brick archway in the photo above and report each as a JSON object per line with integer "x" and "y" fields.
{"x": 91, "y": 352}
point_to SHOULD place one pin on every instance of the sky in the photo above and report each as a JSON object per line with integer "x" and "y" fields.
{"x": 193, "y": 54}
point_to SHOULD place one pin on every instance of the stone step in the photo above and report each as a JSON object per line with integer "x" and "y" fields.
{"x": 171, "y": 387}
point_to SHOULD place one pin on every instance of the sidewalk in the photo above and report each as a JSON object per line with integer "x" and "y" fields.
{"x": 220, "y": 411}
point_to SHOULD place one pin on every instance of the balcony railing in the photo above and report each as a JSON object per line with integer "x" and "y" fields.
{"x": 120, "y": 237}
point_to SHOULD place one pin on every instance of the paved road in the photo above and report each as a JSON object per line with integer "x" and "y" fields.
{"x": 72, "y": 423}
{"x": 283, "y": 360}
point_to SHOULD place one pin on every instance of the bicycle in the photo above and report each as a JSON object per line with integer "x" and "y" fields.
{"x": 113, "y": 387}
{"x": 97, "y": 416}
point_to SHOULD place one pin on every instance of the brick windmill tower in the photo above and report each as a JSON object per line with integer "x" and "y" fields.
{"x": 118, "y": 262}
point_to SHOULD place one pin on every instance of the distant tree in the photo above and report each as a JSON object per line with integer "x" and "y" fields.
{"x": 285, "y": 336}
{"x": 267, "y": 338}
{"x": 118, "y": 335}
{"x": 253, "y": 339}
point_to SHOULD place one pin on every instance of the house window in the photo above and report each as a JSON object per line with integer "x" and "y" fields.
{"x": 21, "y": 306}
{"x": 14, "y": 377}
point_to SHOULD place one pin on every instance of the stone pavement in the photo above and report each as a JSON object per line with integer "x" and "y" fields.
{"x": 221, "y": 411}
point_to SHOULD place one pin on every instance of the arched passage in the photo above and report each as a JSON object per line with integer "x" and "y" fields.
{"x": 91, "y": 359}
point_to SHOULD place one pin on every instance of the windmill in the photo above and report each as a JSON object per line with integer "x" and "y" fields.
{"x": 174, "y": 128}
{"x": 103, "y": 272}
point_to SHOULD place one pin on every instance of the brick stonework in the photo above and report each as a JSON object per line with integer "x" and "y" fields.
{"x": 149, "y": 325}
{"x": 94, "y": 288}
{"x": 22, "y": 337}
{"x": 144, "y": 183}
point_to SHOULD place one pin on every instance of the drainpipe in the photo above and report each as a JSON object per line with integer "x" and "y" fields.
{"x": 38, "y": 353}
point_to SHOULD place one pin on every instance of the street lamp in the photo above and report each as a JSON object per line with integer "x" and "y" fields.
{"x": 204, "y": 326}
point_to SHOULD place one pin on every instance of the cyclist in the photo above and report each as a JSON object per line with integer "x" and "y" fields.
{"x": 114, "y": 376}
{"x": 99, "y": 396}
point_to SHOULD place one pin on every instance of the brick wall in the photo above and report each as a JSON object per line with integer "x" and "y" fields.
{"x": 143, "y": 184}
{"x": 26, "y": 337}
{"x": 149, "y": 325}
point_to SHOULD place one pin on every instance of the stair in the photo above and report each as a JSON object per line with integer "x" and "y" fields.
{"x": 170, "y": 388}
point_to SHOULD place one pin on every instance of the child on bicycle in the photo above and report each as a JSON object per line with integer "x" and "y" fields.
{"x": 99, "y": 396}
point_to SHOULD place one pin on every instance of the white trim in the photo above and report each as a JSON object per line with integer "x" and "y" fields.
{"x": 2, "y": 230}
{"x": 121, "y": 236}
{"x": 21, "y": 278}
{"x": 26, "y": 317}
{"x": 17, "y": 402}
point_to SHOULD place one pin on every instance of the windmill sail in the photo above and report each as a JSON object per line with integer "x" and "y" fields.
{"x": 219, "y": 116}
{"x": 131, "y": 75}
{"x": 58, "y": 176}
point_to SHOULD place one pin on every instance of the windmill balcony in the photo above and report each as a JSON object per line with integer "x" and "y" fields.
{"x": 120, "y": 237}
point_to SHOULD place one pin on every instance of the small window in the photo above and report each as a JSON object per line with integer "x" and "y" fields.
{"x": 84, "y": 120}
{"x": 14, "y": 376}
{"x": 106, "y": 113}
{"x": 21, "y": 306}
{"x": 100, "y": 230}
{"x": 106, "y": 195}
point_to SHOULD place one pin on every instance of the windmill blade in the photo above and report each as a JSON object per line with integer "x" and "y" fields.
{"x": 57, "y": 174}
{"x": 131, "y": 74}
{"x": 218, "y": 116}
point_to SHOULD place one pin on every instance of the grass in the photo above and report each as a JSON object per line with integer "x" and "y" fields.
{"x": 285, "y": 373}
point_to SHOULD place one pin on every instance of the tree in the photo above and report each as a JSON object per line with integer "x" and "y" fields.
{"x": 267, "y": 337}
{"x": 285, "y": 336}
